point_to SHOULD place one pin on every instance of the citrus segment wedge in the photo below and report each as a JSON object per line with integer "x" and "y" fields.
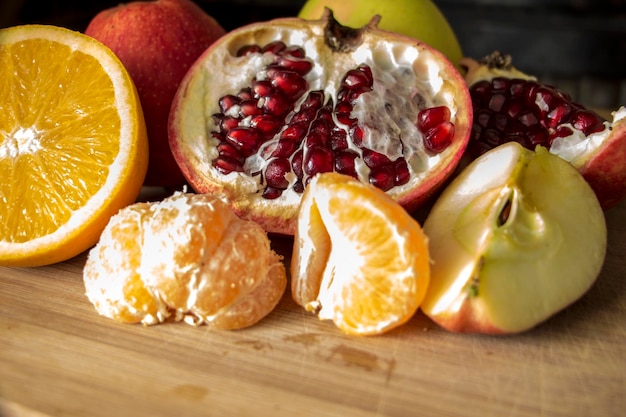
{"x": 359, "y": 258}
{"x": 73, "y": 146}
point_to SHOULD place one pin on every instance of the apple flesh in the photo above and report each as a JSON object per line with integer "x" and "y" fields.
{"x": 157, "y": 41}
{"x": 518, "y": 236}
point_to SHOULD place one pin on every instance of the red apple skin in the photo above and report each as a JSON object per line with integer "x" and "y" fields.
{"x": 157, "y": 41}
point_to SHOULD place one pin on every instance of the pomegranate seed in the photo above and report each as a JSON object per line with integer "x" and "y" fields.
{"x": 344, "y": 162}
{"x": 315, "y": 99}
{"x": 298, "y": 65}
{"x": 317, "y": 138}
{"x": 227, "y": 123}
{"x": 226, "y": 165}
{"x": 267, "y": 124}
{"x": 261, "y": 88}
{"x": 374, "y": 159}
{"x": 244, "y": 139}
{"x": 227, "y": 102}
{"x": 439, "y": 138}
{"x": 294, "y": 51}
{"x": 402, "y": 172}
{"x": 276, "y": 104}
{"x": 583, "y": 119}
{"x": 245, "y": 93}
{"x": 298, "y": 186}
{"x": 560, "y": 132}
{"x": 598, "y": 127}
{"x": 275, "y": 47}
{"x": 491, "y": 137}
{"x": 295, "y": 131}
{"x": 516, "y": 86}
{"x": 538, "y": 135}
{"x": 496, "y": 102}
{"x": 498, "y": 121}
{"x": 318, "y": 159}
{"x": 249, "y": 108}
{"x": 338, "y": 140}
{"x": 227, "y": 150}
{"x": 248, "y": 49}
{"x": 482, "y": 117}
{"x": 481, "y": 91}
{"x": 513, "y": 107}
{"x": 560, "y": 112}
{"x": 275, "y": 172}
{"x": 432, "y": 116}
{"x": 271, "y": 193}
{"x": 296, "y": 163}
{"x": 356, "y": 134}
{"x": 500, "y": 83}
{"x": 383, "y": 177}
{"x": 528, "y": 118}
{"x": 284, "y": 148}
{"x": 292, "y": 84}
{"x": 358, "y": 78}
{"x": 342, "y": 112}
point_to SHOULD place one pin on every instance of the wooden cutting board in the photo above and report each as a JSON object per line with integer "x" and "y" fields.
{"x": 59, "y": 358}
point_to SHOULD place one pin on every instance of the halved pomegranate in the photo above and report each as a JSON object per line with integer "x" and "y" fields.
{"x": 510, "y": 105}
{"x": 271, "y": 104}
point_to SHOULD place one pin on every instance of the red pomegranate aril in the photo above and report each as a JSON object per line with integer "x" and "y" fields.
{"x": 584, "y": 119}
{"x": 482, "y": 117}
{"x": 317, "y": 159}
{"x": 560, "y": 112}
{"x": 481, "y": 91}
{"x": 284, "y": 148}
{"x": 500, "y": 83}
{"x": 271, "y": 193}
{"x": 338, "y": 140}
{"x": 528, "y": 118}
{"x": 295, "y": 131}
{"x": 267, "y": 124}
{"x": 374, "y": 159}
{"x": 537, "y": 134}
{"x": 560, "y": 132}
{"x": 296, "y": 163}
{"x": 275, "y": 173}
{"x": 383, "y": 177}
{"x": 439, "y": 138}
{"x": 432, "y": 116}
{"x": 276, "y": 104}
{"x": 275, "y": 47}
{"x": 403, "y": 175}
{"x": 499, "y": 121}
{"x": 513, "y": 107}
{"x": 227, "y": 123}
{"x": 315, "y": 99}
{"x": 248, "y": 49}
{"x": 261, "y": 88}
{"x": 245, "y": 139}
{"x": 249, "y": 108}
{"x": 297, "y": 65}
{"x": 227, "y": 165}
{"x": 497, "y": 101}
{"x": 226, "y": 150}
{"x": 344, "y": 162}
{"x": 359, "y": 78}
{"x": 290, "y": 83}
{"x": 227, "y": 102}
{"x": 356, "y": 134}
{"x": 294, "y": 51}
{"x": 516, "y": 87}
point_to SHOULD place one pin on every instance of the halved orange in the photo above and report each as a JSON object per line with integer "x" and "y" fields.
{"x": 359, "y": 259}
{"x": 73, "y": 145}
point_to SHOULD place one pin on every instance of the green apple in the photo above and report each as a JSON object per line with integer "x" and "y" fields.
{"x": 518, "y": 236}
{"x": 420, "y": 19}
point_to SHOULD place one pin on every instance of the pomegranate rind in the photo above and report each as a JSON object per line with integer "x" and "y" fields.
{"x": 218, "y": 72}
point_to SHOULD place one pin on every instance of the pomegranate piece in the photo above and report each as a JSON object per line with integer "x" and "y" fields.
{"x": 510, "y": 105}
{"x": 290, "y": 99}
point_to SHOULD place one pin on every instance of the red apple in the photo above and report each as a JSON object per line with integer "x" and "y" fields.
{"x": 157, "y": 41}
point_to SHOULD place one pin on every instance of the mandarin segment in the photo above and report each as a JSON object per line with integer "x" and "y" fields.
{"x": 196, "y": 259}
{"x": 372, "y": 269}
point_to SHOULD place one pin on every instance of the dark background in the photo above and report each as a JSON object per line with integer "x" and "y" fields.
{"x": 579, "y": 45}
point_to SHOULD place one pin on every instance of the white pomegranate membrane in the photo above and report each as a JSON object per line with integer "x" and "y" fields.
{"x": 291, "y": 119}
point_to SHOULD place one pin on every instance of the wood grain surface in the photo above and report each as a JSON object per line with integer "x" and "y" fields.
{"x": 59, "y": 358}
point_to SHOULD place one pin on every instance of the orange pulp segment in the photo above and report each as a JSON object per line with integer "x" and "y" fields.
{"x": 359, "y": 258}
{"x": 73, "y": 145}
{"x": 188, "y": 257}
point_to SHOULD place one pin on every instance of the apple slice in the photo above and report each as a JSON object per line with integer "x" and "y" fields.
{"x": 515, "y": 238}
